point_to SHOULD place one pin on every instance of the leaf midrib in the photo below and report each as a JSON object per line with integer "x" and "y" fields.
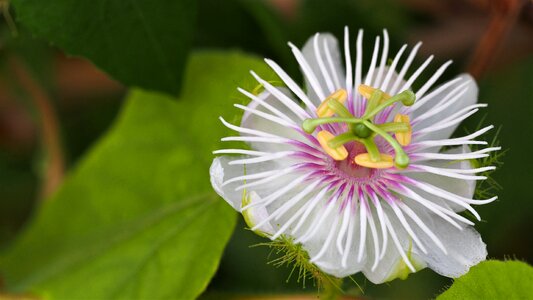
{"x": 158, "y": 245}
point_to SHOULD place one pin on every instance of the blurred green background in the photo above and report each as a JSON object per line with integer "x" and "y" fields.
{"x": 493, "y": 39}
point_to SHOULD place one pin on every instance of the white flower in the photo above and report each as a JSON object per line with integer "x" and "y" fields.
{"x": 352, "y": 169}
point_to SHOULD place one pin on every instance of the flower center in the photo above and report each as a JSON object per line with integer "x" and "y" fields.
{"x": 349, "y": 171}
{"x": 349, "y": 167}
{"x": 362, "y": 130}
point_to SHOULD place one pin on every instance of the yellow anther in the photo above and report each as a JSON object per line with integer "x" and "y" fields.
{"x": 403, "y": 137}
{"x": 324, "y": 111}
{"x": 385, "y": 161}
{"x": 367, "y": 91}
{"x": 339, "y": 153}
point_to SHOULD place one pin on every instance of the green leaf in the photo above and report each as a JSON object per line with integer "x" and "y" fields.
{"x": 139, "y": 42}
{"x": 493, "y": 280}
{"x": 137, "y": 217}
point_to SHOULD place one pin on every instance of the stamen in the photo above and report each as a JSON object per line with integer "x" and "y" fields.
{"x": 403, "y": 137}
{"x": 363, "y": 129}
{"x": 385, "y": 161}
{"x": 324, "y": 110}
{"x": 367, "y": 91}
{"x": 338, "y": 153}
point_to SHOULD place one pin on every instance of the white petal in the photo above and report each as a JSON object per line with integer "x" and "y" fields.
{"x": 465, "y": 247}
{"x": 386, "y": 72}
{"x": 328, "y": 60}
{"x": 461, "y": 187}
{"x": 397, "y": 84}
{"x": 256, "y": 122}
{"x": 331, "y": 261}
{"x": 322, "y": 225}
{"x": 468, "y": 98}
{"x": 256, "y": 214}
{"x": 217, "y": 173}
{"x": 392, "y": 266}
{"x": 221, "y": 171}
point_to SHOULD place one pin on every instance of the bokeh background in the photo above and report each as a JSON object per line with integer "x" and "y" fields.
{"x": 72, "y": 103}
